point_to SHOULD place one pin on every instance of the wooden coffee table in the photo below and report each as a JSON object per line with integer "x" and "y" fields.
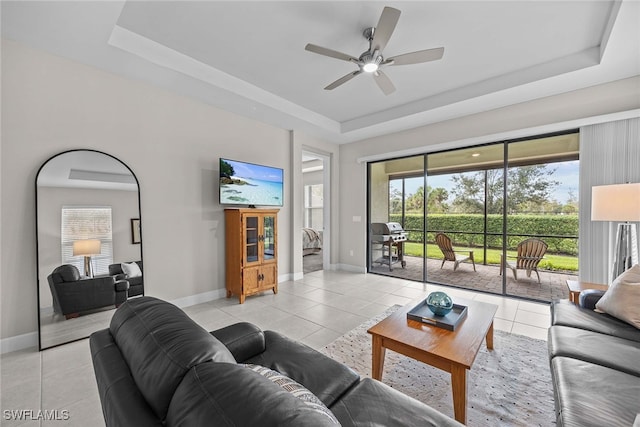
{"x": 451, "y": 351}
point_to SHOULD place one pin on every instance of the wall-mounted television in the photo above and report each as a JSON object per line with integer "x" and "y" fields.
{"x": 243, "y": 183}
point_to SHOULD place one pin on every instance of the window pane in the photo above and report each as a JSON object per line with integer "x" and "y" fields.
{"x": 82, "y": 223}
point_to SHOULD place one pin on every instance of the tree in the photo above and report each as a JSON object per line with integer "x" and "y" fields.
{"x": 395, "y": 201}
{"x": 437, "y": 200}
{"x": 527, "y": 186}
{"x": 226, "y": 170}
{"x": 415, "y": 202}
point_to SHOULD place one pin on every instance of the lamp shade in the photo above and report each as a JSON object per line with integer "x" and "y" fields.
{"x": 619, "y": 202}
{"x": 86, "y": 247}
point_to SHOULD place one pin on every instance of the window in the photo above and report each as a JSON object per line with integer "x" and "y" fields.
{"x": 313, "y": 202}
{"x": 87, "y": 222}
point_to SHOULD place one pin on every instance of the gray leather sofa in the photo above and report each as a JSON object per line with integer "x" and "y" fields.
{"x": 136, "y": 284}
{"x": 154, "y": 366}
{"x": 73, "y": 295}
{"x": 595, "y": 365}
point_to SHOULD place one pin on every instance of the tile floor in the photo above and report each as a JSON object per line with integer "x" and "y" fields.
{"x": 315, "y": 310}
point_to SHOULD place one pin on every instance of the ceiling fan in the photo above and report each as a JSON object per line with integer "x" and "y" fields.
{"x": 372, "y": 60}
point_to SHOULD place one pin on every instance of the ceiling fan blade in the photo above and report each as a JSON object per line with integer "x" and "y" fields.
{"x": 417, "y": 57}
{"x": 384, "y": 82}
{"x": 343, "y": 80}
{"x": 385, "y": 27}
{"x": 329, "y": 52}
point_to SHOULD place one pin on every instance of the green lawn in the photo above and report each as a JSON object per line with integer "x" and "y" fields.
{"x": 550, "y": 262}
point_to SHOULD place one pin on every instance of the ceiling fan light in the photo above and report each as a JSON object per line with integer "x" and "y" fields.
{"x": 370, "y": 67}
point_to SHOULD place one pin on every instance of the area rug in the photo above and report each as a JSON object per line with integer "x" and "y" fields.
{"x": 507, "y": 386}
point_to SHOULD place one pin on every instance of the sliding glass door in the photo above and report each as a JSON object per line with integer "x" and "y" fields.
{"x": 462, "y": 217}
{"x": 396, "y": 218}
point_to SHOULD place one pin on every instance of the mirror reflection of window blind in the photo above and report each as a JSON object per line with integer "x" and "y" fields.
{"x": 87, "y": 222}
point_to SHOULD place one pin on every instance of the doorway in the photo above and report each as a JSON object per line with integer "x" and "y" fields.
{"x": 316, "y": 212}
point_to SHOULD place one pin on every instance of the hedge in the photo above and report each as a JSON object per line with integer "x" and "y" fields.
{"x": 518, "y": 228}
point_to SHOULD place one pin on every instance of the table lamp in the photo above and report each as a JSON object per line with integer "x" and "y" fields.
{"x": 619, "y": 203}
{"x": 87, "y": 248}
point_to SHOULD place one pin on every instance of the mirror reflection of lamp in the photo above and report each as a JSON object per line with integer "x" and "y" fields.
{"x": 619, "y": 203}
{"x": 87, "y": 248}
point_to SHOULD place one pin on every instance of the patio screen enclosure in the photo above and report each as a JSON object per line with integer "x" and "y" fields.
{"x": 486, "y": 199}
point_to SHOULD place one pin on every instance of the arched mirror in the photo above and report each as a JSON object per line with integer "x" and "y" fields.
{"x": 89, "y": 243}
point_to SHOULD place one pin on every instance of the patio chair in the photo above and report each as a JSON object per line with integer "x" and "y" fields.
{"x": 530, "y": 253}
{"x": 444, "y": 243}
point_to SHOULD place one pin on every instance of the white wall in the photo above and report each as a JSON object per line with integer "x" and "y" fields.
{"x": 50, "y": 104}
{"x": 620, "y": 96}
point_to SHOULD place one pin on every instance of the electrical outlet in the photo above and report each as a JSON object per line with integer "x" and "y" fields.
{"x": 351, "y": 252}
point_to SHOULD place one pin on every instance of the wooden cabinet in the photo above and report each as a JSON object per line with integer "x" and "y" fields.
{"x": 251, "y": 251}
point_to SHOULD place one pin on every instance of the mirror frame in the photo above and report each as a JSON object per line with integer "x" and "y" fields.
{"x": 40, "y": 347}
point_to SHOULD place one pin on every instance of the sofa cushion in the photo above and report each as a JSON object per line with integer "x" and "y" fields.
{"x": 294, "y": 388}
{"x": 160, "y": 343}
{"x": 323, "y": 376}
{"x": 219, "y": 394}
{"x": 622, "y": 298}
{"x": 372, "y": 403}
{"x": 566, "y": 313}
{"x": 606, "y": 350}
{"x": 588, "y": 394}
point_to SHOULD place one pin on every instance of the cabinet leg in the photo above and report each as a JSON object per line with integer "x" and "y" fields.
{"x": 241, "y": 298}
{"x": 275, "y": 289}
{"x": 228, "y": 293}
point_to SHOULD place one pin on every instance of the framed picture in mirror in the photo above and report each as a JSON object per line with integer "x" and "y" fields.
{"x": 135, "y": 231}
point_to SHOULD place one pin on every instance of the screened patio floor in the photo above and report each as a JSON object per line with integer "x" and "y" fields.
{"x": 486, "y": 278}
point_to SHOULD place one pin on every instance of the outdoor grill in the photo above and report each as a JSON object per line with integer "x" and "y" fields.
{"x": 390, "y": 238}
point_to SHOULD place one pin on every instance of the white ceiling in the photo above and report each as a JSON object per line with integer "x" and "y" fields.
{"x": 86, "y": 169}
{"x": 249, "y": 57}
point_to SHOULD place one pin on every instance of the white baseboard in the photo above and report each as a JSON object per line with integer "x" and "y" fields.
{"x": 200, "y": 298}
{"x": 351, "y": 268}
{"x": 19, "y": 342}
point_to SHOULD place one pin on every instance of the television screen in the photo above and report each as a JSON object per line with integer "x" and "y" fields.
{"x": 244, "y": 183}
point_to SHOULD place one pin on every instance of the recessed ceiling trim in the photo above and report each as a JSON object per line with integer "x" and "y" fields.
{"x": 577, "y": 61}
{"x": 163, "y": 56}
{"x": 503, "y": 136}
{"x": 84, "y": 175}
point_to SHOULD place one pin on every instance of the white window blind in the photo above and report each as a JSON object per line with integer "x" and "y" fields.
{"x": 87, "y": 222}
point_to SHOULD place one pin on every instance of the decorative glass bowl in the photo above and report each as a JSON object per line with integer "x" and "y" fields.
{"x": 439, "y": 303}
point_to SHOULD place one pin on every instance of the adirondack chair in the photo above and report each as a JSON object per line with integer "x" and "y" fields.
{"x": 444, "y": 243}
{"x": 530, "y": 253}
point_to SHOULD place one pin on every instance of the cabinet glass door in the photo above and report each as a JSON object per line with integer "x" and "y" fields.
{"x": 251, "y": 236}
{"x": 269, "y": 230}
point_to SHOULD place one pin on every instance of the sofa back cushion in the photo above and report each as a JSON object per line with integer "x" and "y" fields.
{"x": 219, "y": 394}
{"x": 160, "y": 343}
{"x": 65, "y": 273}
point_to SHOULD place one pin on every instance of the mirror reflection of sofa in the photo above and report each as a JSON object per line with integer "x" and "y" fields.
{"x": 73, "y": 295}
{"x": 127, "y": 271}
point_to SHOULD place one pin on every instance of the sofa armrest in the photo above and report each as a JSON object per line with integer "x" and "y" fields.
{"x": 122, "y": 403}
{"x": 328, "y": 379}
{"x": 589, "y": 298}
{"x": 244, "y": 340}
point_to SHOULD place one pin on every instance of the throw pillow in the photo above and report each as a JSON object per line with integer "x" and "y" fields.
{"x": 296, "y": 389}
{"x": 131, "y": 269}
{"x": 622, "y": 299}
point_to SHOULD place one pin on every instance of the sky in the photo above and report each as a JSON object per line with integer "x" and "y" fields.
{"x": 252, "y": 171}
{"x": 566, "y": 173}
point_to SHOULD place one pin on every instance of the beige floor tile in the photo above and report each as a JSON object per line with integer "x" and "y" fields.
{"x": 502, "y": 325}
{"x": 529, "y": 331}
{"x": 533, "y": 319}
{"x": 534, "y": 307}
